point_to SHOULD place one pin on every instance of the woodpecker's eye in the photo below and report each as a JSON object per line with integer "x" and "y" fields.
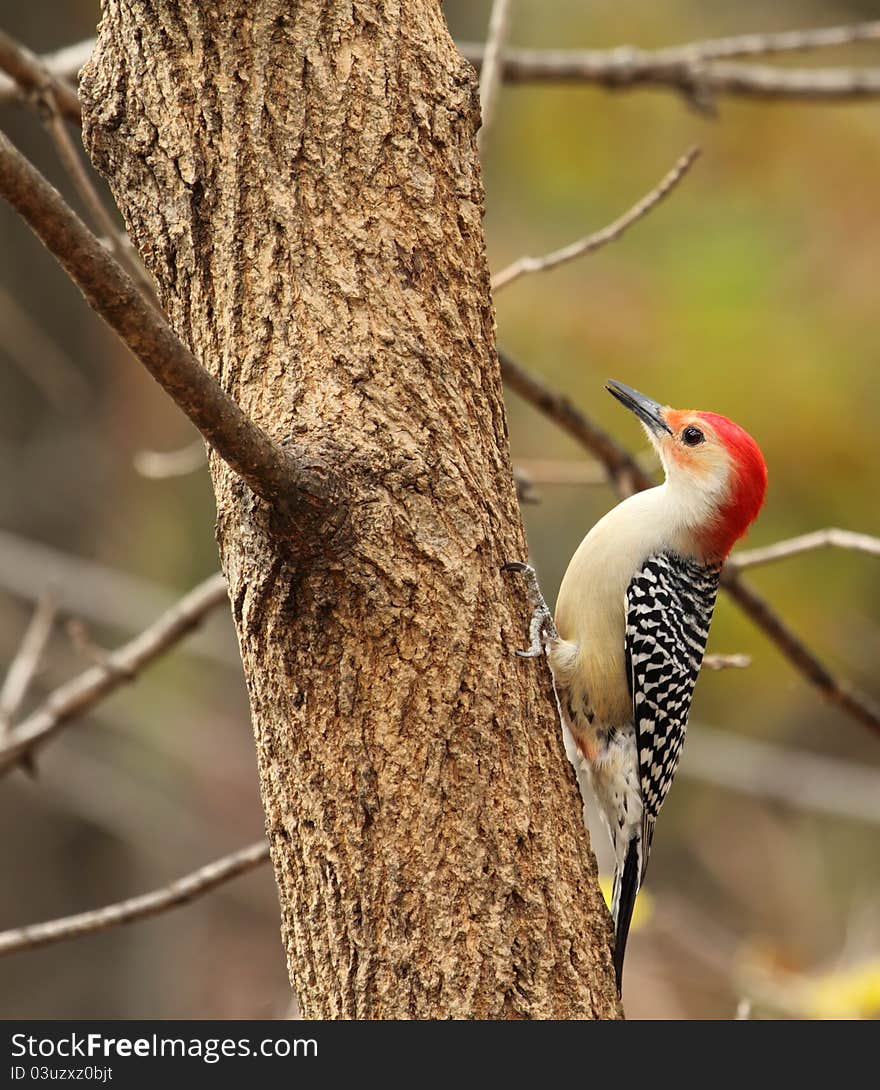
{"x": 692, "y": 437}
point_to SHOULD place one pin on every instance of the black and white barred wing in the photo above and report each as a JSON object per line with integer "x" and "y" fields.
{"x": 669, "y": 606}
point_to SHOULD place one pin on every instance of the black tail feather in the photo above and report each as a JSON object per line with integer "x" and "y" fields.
{"x": 628, "y": 886}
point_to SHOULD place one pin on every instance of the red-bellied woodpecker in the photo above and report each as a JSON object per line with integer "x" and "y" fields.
{"x": 632, "y": 619}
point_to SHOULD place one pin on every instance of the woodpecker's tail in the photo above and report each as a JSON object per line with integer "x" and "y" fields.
{"x": 626, "y": 885}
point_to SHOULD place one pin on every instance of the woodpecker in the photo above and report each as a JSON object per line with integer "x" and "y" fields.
{"x": 632, "y": 619}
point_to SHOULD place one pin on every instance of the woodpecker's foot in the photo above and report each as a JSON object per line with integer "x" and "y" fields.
{"x": 542, "y": 630}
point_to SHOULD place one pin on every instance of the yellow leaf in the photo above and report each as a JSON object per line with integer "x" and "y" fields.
{"x": 644, "y": 902}
{"x": 848, "y": 993}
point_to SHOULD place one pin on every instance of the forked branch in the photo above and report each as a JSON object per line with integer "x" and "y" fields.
{"x": 303, "y": 492}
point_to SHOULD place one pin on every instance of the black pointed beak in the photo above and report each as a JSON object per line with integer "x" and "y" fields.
{"x": 648, "y": 411}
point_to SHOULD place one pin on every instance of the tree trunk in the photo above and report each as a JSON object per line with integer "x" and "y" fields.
{"x": 301, "y": 179}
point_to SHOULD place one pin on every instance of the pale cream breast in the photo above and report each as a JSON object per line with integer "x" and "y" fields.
{"x": 590, "y": 613}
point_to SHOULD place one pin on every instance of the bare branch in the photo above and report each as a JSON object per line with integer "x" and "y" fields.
{"x": 490, "y": 74}
{"x": 114, "y": 237}
{"x": 27, "y": 660}
{"x": 121, "y": 666}
{"x": 100, "y": 594}
{"x": 727, "y": 662}
{"x": 613, "y": 231}
{"x": 627, "y": 476}
{"x": 681, "y": 69}
{"x": 294, "y": 487}
{"x": 161, "y": 464}
{"x": 30, "y": 73}
{"x": 786, "y": 41}
{"x": 64, "y": 64}
{"x": 678, "y": 67}
{"x": 556, "y": 471}
{"x": 857, "y": 704}
{"x": 179, "y": 892}
{"x": 818, "y": 539}
{"x": 624, "y": 471}
{"x": 38, "y": 83}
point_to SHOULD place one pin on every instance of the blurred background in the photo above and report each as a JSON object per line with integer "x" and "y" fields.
{"x": 753, "y": 291}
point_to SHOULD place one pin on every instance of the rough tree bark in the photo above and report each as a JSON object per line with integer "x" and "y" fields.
{"x": 302, "y": 181}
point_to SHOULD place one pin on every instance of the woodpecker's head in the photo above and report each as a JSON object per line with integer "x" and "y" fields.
{"x": 714, "y": 468}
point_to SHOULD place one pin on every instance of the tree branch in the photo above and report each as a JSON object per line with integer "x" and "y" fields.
{"x": 161, "y": 464}
{"x": 627, "y": 476}
{"x": 625, "y": 473}
{"x": 33, "y": 76}
{"x": 121, "y": 666}
{"x": 569, "y": 471}
{"x": 757, "y": 45}
{"x": 490, "y": 73}
{"x": 613, "y": 231}
{"x": 678, "y": 67}
{"x": 306, "y": 494}
{"x": 818, "y": 539}
{"x": 97, "y": 593}
{"x": 179, "y": 892}
{"x": 112, "y": 235}
{"x": 786, "y": 41}
{"x": 691, "y": 69}
{"x": 38, "y": 83}
{"x": 857, "y": 704}
{"x": 26, "y": 661}
{"x": 63, "y": 64}
{"x": 727, "y": 662}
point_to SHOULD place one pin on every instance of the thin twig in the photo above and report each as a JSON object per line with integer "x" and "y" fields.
{"x": 122, "y": 666}
{"x": 855, "y": 703}
{"x": 161, "y": 464}
{"x": 64, "y": 64}
{"x": 30, "y": 74}
{"x": 727, "y": 662}
{"x": 116, "y": 239}
{"x": 490, "y": 74}
{"x": 557, "y": 471}
{"x": 73, "y": 164}
{"x": 818, "y": 539}
{"x": 625, "y": 473}
{"x": 101, "y": 595}
{"x": 613, "y": 231}
{"x": 786, "y": 41}
{"x": 38, "y": 83}
{"x": 179, "y": 892}
{"x": 27, "y": 660}
{"x": 627, "y": 476}
{"x": 304, "y": 493}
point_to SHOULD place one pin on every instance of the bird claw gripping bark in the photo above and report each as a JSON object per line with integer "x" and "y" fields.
{"x": 542, "y": 630}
